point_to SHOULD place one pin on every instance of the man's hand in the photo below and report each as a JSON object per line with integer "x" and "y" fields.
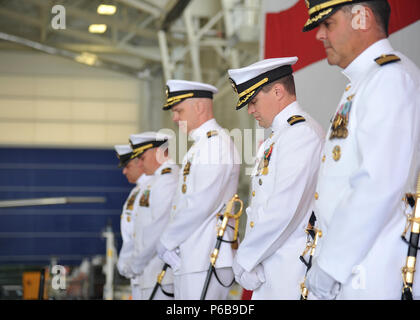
{"x": 168, "y": 256}
{"x": 249, "y": 280}
{"x": 125, "y": 270}
{"x": 321, "y": 284}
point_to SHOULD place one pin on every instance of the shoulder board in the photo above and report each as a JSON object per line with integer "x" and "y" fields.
{"x": 386, "y": 59}
{"x": 295, "y": 119}
{"x": 212, "y": 133}
{"x": 166, "y": 170}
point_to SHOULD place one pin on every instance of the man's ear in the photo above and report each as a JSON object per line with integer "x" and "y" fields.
{"x": 279, "y": 91}
{"x": 161, "y": 155}
{"x": 199, "y": 106}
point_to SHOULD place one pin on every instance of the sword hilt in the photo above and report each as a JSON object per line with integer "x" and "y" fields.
{"x": 228, "y": 215}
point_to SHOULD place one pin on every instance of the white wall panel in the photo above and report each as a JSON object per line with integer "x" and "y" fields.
{"x": 48, "y": 100}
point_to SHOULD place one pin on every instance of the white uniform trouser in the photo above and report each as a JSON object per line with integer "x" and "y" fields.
{"x": 144, "y": 294}
{"x": 190, "y": 286}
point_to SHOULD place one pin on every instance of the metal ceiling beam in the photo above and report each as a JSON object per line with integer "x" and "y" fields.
{"x": 194, "y": 45}
{"x": 20, "y": 17}
{"x": 164, "y": 51}
{"x": 153, "y": 55}
{"x": 148, "y": 54}
{"x": 126, "y": 26}
{"x": 174, "y": 14}
{"x": 97, "y": 62}
{"x": 143, "y": 6}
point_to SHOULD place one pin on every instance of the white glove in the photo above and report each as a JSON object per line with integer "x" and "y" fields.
{"x": 249, "y": 280}
{"x": 125, "y": 270}
{"x": 321, "y": 284}
{"x": 136, "y": 267}
{"x": 237, "y": 269}
{"x": 169, "y": 256}
{"x": 173, "y": 259}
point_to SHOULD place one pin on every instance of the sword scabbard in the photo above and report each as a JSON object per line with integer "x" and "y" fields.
{"x": 409, "y": 268}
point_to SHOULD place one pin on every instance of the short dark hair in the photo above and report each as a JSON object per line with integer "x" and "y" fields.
{"x": 288, "y": 83}
{"x": 381, "y": 10}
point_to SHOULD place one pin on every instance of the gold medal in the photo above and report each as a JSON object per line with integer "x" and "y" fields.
{"x": 336, "y": 153}
{"x": 265, "y": 171}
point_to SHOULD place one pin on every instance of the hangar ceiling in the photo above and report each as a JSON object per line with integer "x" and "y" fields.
{"x": 191, "y": 39}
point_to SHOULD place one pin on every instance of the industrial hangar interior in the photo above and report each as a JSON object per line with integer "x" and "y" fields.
{"x": 78, "y": 77}
{"x": 69, "y": 93}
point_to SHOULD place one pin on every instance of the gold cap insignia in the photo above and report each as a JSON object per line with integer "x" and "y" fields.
{"x": 233, "y": 85}
{"x": 167, "y": 92}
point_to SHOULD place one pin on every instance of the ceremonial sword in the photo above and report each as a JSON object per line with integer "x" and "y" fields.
{"x": 221, "y": 231}
{"x": 409, "y": 269}
{"x": 159, "y": 283}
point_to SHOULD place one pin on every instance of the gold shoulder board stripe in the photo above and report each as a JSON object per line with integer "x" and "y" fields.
{"x": 385, "y": 59}
{"x": 295, "y": 119}
{"x": 166, "y": 170}
{"x": 212, "y": 134}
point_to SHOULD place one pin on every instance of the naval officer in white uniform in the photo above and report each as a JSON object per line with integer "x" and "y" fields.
{"x": 135, "y": 174}
{"x": 207, "y": 180}
{"x": 283, "y": 180}
{"x": 370, "y": 159}
{"x": 152, "y": 214}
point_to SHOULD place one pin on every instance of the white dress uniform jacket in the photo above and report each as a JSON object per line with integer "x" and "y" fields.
{"x": 281, "y": 204}
{"x": 364, "y": 176}
{"x": 127, "y": 229}
{"x": 207, "y": 180}
{"x": 152, "y": 216}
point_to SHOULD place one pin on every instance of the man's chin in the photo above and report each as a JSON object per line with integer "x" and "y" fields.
{"x": 262, "y": 124}
{"x": 331, "y": 60}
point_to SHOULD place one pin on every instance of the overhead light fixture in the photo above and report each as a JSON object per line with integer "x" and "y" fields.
{"x": 106, "y": 9}
{"x": 87, "y": 58}
{"x": 97, "y": 28}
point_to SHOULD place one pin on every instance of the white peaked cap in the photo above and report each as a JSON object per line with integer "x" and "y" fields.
{"x": 249, "y": 80}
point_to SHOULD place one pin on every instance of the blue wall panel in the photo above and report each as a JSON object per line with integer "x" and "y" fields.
{"x": 70, "y": 232}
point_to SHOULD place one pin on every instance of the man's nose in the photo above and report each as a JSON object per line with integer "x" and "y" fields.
{"x": 175, "y": 117}
{"x": 321, "y": 34}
